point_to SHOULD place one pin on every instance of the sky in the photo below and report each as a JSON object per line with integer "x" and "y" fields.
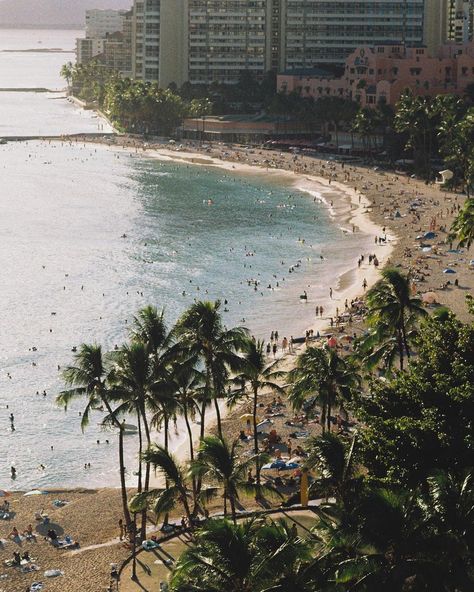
{"x": 52, "y": 12}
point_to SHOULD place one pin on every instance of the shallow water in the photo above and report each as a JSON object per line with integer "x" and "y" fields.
{"x": 63, "y": 210}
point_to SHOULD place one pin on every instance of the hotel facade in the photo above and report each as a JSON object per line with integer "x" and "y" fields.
{"x": 202, "y": 41}
{"x": 380, "y": 74}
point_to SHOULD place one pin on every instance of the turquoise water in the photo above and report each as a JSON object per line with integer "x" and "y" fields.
{"x": 68, "y": 276}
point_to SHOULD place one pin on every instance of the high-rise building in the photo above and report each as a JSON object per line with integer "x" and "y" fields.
{"x": 460, "y": 15}
{"x": 108, "y": 40}
{"x": 201, "y": 41}
{"x": 101, "y": 22}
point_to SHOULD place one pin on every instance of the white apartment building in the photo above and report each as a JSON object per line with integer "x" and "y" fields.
{"x": 201, "y": 41}
{"x": 99, "y": 23}
{"x": 88, "y": 49}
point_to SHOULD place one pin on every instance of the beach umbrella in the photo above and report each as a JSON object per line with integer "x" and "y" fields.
{"x": 448, "y": 270}
{"x": 4, "y": 493}
{"x": 332, "y": 342}
{"x": 35, "y": 492}
{"x": 429, "y": 235}
{"x": 429, "y": 298}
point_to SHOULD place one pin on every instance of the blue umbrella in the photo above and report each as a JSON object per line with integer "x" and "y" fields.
{"x": 429, "y": 235}
{"x": 448, "y": 270}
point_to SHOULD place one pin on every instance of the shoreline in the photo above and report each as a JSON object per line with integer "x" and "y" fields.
{"x": 368, "y": 199}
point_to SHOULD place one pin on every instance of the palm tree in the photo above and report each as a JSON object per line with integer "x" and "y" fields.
{"x": 323, "y": 375}
{"x": 255, "y": 376}
{"x": 203, "y": 335}
{"x": 185, "y": 384}
{"x": 333, "y": 461}
{"x": 150, "y": 334}
{"x": 88, "y": 379}
{"x": 463, "y": 225}
{"x": 132, "y": 378}
{"x": 381, "y": 344}
{"x": 218, "y": 460}
{"x": 390, "y": 304}
{"x": 247, "y": 557}
{"x": 177, "y": 490}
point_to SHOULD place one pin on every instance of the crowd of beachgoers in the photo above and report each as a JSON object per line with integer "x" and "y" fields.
{"x": 54, "y": 540}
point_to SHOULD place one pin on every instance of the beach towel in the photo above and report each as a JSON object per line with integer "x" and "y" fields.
{"x": 36, "y": 586}
{"x": 53, "y": 573}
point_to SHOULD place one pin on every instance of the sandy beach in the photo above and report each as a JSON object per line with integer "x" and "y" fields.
{"x": 374, "y": 203}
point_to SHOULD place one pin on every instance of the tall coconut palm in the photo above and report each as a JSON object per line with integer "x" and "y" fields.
{"x": 149, "y": 329}
{"x": 88, "y": 379}
{"x": 334, "y": 463}
{"x": 177, "y": 491}
{"x": 325, "y": 377}
{"x": 390, "y": 304}
{"x": 203, "y": 335}
{"x": 256, "y": 375}
{"x": 247, "y": 557}
{"x": 132, "y": 377}
{"x": 219, "y": 461}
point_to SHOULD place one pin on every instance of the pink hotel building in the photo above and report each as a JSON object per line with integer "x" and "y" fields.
{"x": 383, "y": 73}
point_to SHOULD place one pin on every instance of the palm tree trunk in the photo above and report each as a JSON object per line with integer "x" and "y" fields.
{"x": 225, "y": 504}
{"x": 232, "y": 508}
{"x": 218, "y": 416}
{"x": 166, "y": 422}
{"x": 140, "y": 452}
{"x": 255, "y": 435}
{"x": 147, "y": 471}
{"x": 191, "y": 445}
{"x": 323, "y": 416}
{"x": 123, "y": 486}
{"x": 404, "y": 339}
{"x": 400, "y": 349}
{"x": 329, "y": 417}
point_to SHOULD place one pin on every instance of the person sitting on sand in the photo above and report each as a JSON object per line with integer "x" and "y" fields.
{"x": 16, "y": 558}
{"x": 52, "y": 536}
{"x": 14, "y": 534}
{"x": 28, "y": 533}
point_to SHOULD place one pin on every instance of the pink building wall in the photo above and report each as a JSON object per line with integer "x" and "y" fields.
{"x": 383, "y": 73}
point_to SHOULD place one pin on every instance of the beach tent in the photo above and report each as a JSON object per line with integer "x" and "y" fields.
{"x": 429, "y": 235}
{"x": 445, "y": 175}
{"x": 448, "y": 270}
{"x": 35, "y": 492}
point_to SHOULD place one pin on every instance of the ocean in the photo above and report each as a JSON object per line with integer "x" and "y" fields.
{"x": 90, "y": 233}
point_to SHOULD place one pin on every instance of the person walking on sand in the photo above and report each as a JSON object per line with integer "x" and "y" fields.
{"x": 274, "y": 350}
{"x": 330, "y": 292}
{"x": 364, "y": 284}
{"x": 284, "y": 344}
